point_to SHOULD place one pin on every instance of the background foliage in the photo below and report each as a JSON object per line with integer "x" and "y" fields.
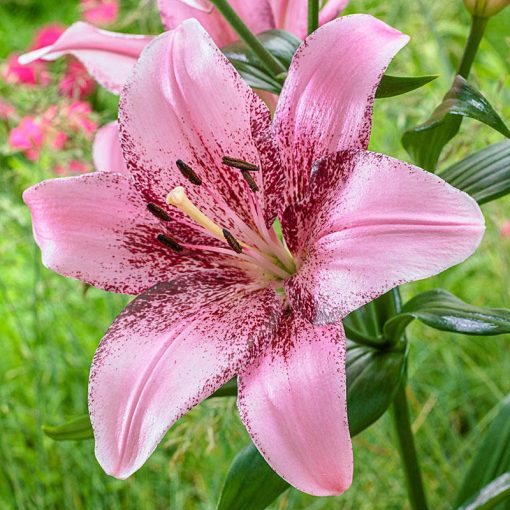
{"x": 50, "y": 328}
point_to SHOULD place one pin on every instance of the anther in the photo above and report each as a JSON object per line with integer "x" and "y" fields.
{"x": 168, "y": 242}
{"x": 232, "y": 241}
{"x": 155, "y": 210}
{"x": 240, "y": 164}
{"x": 249, "y": 179}
{"x": 188, "y": 173}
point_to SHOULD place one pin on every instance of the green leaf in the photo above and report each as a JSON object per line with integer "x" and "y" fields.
{"x": 283, "y": 45}
{"x": 76, "y": 429}
{"x": 250, "y": 483}
{"x": 488, "y": 497}
{"x": 391, "y": 86}
{"x": 441, "y": 310}
{"x": 280, "y": 43}
{"x": 492, "y": 458}
{"x": 373, "y": 376}
{"x": 426, "y": 141}
{"x": 485, "y": 175}
{"x": 229, "y": 389}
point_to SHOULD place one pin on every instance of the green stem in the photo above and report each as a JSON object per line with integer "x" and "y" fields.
{"x": 389, "y": 305}
{"x": 313, "y": 15}
{"x": 478, "y": 26}
{"x": 273, "y": 65}
{"x": 402, "y": 422}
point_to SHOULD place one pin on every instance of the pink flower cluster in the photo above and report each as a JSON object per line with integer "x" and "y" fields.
{"x": 75, "y": 83}
{"x": 100, "y": 12}
{"x": 52, "y": 129}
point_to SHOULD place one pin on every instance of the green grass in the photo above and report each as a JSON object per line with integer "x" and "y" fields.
{"x": 50, "y": 328}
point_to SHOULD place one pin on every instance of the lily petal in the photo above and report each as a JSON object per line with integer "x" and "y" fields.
{"x": 326, "y": 102}
{"x": 292, "y": 400}
{"x": 185, "y": 101}
{"x": 108, "y": 56}
{"x": 171, "y": 348}
{"x": 106, "y": 150}
{"x": 96, "y": 228}
{"x": 257, "y": 15}
{"x": 292, "y": 15}
{"x": 369, "y": 223}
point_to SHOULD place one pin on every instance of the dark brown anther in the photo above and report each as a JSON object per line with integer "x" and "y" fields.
{"x": 155, "y": 210}
{"x": 188, "y": 173}
{"x": 168, "y": 242}
{"x": 240, "y": 164}
{"x": 232, "y": 241}
{"x": 249, "y": 179}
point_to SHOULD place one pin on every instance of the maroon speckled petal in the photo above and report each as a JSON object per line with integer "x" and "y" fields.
{"x": 369, "y": 223}
{"x": 185, "y": 101}
{"x": 292, "y": 400}
{"x": 326, "y": 102}
{"x": 171, "y": 348}
{"x": 96, "y": 228}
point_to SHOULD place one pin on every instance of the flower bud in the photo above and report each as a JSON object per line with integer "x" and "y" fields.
{"x": 485, "y": 8}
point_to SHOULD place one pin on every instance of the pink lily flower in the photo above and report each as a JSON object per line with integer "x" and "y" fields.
{"x": 190, "y": 229}
{"x": 106, "y": 150}
{"x": 260, "y": 16}
{"x": 108, "y": 56}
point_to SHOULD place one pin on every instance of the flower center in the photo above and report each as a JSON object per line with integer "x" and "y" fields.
{"x": 260, "y": 246}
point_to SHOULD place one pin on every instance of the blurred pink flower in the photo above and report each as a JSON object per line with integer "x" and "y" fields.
{"x": 99, "y": 12}
{"x": 58, "y": 140}
{"x": 78, "y": 117}
{"x": 76, "y": 82}
{"x": 505, "y": 230}
{"x": 46, "y": 36}
{"x": 7, "y": 111}
{"x": 73, "y": 167}
{"x": 28, "y": 137}
{"x": 34, "y": 73}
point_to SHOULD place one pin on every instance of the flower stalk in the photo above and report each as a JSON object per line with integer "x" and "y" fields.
{"x": 391, "y": 304}
{"x": 478, "y": 26}
{"x": 407, "y": 449}
{"x": 273, "y": 65}
{"x": 313, "y": 15}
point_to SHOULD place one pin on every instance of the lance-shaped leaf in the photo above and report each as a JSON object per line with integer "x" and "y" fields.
{"x": 76, "y": 429}
{"x": 283, "y": 45}
{"x": 441, "y": 310}
{"x": 491, "y": 495}
{"x": 425, "y": 142}
{"x": 485, "y": 175}
{"x": 373, "y": 377}
{"x": 491, "y": 460}
{"x": 391, "y": 86}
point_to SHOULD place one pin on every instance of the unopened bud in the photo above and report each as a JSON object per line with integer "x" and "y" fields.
{"x": 485, "y": 8}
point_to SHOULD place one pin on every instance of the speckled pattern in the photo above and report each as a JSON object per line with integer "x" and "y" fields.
{"x": 292, "y": 399}
{"x": 172, "y": 347}
{"x": 357, "y": 225}
{"x": 326, "y": 102}
{"x": 372, "y": 222}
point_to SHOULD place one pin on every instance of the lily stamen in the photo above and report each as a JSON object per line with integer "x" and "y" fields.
{"x": 188, "y": 173}
{"x": 240, "y": 164}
